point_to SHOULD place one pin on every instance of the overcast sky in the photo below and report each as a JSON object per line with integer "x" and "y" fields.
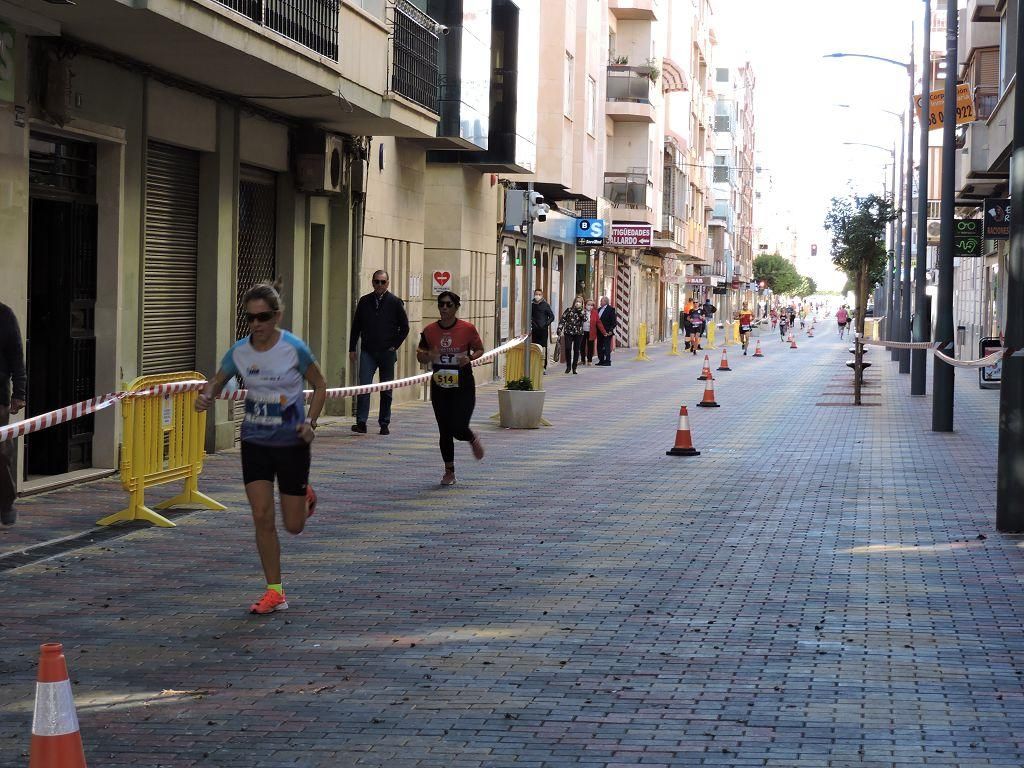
{"x": 800, "y": 133}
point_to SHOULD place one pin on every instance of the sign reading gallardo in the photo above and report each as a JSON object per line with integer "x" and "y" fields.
{"x": 632, "y": 235}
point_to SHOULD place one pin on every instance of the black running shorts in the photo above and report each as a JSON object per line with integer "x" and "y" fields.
{"x": 288, "y": 463}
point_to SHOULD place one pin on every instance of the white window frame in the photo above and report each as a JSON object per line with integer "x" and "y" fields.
{"x": 591, "y": 106}
{"x": 569, "y": 76}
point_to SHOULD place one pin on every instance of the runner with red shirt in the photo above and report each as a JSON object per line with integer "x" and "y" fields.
{"x": 450, "y": 345}
{"x": 746, "y": 324}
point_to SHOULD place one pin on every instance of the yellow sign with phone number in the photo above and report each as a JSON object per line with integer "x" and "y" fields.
{"x": 964, "y": 107}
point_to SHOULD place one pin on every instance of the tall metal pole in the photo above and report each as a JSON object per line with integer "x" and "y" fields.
{"x": 904, "y": 354}
{"x": 943, "y": 381}
{"x": 1010, "y": 472}
{"x": 922, "y": 316}
{"x": 529, "y": 275}
{"x": 891, "y": 320}
{"x": 897, "y": 304}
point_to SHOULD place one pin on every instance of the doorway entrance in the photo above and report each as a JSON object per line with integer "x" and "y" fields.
{"x": 60, "y": 336}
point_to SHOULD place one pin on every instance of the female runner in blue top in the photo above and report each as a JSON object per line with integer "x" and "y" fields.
{"x": 276, "y": 430}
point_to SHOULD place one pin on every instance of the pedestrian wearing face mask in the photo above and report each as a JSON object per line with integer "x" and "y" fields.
{"x": 592, "y": 331}
{"x": 541, "y": 318}
{"x": 570, "y": 330}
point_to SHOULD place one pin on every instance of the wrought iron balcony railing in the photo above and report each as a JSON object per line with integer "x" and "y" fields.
{"x": 311, "y": 23}
{"x": 414, "y": 50}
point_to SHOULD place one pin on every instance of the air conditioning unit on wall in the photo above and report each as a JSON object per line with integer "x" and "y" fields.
{"x": 934, "y": 231}
{"x": 320, "y": 164}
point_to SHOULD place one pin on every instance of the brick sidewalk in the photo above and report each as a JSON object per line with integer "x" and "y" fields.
{"x": 810, "y": 591}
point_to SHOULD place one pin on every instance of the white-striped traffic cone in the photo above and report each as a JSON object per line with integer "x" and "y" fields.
{"x": 56, "y": 741}
{"x": 684, "y": 443}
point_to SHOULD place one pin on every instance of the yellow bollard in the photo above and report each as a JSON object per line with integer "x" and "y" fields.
{"x": 642, "y": 343}
{"x": 736, "y": 331}
{"x": 711, "y": 335}
{"x": 725, "y": 333}
{"x": 675, "y": 340}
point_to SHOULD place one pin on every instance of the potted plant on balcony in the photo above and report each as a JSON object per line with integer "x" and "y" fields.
{"x": 653, "y": 70}
{"x": 520, "y": 406}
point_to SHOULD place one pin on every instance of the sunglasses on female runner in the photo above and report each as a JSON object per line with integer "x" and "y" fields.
{"x": 263, "y": 317}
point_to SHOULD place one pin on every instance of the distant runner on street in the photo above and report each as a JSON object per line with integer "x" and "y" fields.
{"x": 276, "y": 430}
{"x": 450, "y": 345}
{"x": 746, "y": 323}
{"x": 842, "y": 319}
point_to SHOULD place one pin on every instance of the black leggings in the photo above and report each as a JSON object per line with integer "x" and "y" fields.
{"x": 573, "y": 350}
{"x": 453, "y": 409}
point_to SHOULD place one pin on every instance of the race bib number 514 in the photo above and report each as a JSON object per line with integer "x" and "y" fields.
{"x": 447, "y": 379}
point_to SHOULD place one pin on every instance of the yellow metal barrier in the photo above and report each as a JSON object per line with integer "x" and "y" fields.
{"x": 675, "y": 339}
{"x": 642, "y": 343}
{"x": 514, "y": 364}
{"x": 163, "y": 442}
{"x": 711, "y": 335}
{"x": 871, "y": 326}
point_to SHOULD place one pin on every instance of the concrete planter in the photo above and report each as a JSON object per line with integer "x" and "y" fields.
{"x": 519, "y": 409}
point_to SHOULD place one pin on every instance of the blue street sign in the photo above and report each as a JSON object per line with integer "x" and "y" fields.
{"x": 589, "y": 231}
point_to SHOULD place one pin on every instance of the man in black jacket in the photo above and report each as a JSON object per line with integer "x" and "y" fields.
{"x": 609, "y": 319}
{"x": 381, "y": 325}
{"x": 541, "y": 318}
{"x": 12, "y": 370}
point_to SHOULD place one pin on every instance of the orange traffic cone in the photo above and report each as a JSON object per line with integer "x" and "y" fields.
{"x": 56, "y": 741}
{"x": 792, "y": 341}
{"x": 705, "y": 372}
{"x": 724, "y": 365}
{"x": 810, "y": 331}
{"x": 757, "y": 350}
{"x": 709, "y": 396}
{"x": 684, "y": 444}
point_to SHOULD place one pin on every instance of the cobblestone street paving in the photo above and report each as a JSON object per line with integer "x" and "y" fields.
{"x": 823, "y": 586}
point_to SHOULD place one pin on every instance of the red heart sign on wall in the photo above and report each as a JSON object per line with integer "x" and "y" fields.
{"x": 442, "y": 277}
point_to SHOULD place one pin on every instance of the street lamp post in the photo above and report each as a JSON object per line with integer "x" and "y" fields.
{"x": 942, "y": 376}
{"x": 922, "y": 316}
{"x": 895, "y": 247}
{"x": 890, "y": 307}
{"x": 1010, "y": 474}
{"x": 901, "y": 322}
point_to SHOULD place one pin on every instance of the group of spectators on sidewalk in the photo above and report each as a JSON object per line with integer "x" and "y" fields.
{"x": 582, "y": 330}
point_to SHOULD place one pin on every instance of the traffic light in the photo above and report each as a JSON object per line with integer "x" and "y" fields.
{"x": 536, "y": 206}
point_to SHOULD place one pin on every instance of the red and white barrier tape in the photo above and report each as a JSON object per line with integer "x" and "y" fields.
{"x": 84, "y": 408}
{"x": 899, "y": 344}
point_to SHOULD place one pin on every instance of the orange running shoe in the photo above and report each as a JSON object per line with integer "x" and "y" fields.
{"x": 271, "y": 601}
{"x": 310, "y": 501}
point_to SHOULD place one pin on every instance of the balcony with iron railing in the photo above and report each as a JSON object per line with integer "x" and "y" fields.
{"x": 631, "y": 195}
{"x": 414, "y": 56}
{"x": 310, "y": 23}
{"x": 629, "y": 93}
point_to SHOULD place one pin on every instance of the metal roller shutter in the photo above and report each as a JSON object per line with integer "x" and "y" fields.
{"x": 257, "y": 251}
{"x": 172, "y": 244}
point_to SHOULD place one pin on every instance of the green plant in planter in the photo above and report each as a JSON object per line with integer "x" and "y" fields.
{"x": 524, "y": 384}
{"x": 654, "y": 70}
{"x": 620, "y": 60}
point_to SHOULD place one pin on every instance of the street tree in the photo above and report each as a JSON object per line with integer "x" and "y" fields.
{"x": 858, "y": 226}
{"x": 778, "y": 273}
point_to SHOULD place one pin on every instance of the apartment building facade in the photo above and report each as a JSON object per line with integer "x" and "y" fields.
{"x": 156, "y": 160}
{"x": 987, "y": 31}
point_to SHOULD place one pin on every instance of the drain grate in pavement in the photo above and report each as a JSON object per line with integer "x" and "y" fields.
{"x": 34, "y": 554}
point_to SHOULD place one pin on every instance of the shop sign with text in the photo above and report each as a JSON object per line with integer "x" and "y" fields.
{"x": 632, "y": 235}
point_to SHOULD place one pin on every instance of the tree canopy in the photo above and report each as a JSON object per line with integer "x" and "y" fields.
{"x": 779, "y": 274}
{"x": 858, "y": 226}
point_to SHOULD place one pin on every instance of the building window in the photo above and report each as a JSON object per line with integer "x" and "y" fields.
{"x": 722, "y": 75}
{"x": 569, "y": 62}
{"x": 591, "y": 106}
{"x": 721, "y": 170}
